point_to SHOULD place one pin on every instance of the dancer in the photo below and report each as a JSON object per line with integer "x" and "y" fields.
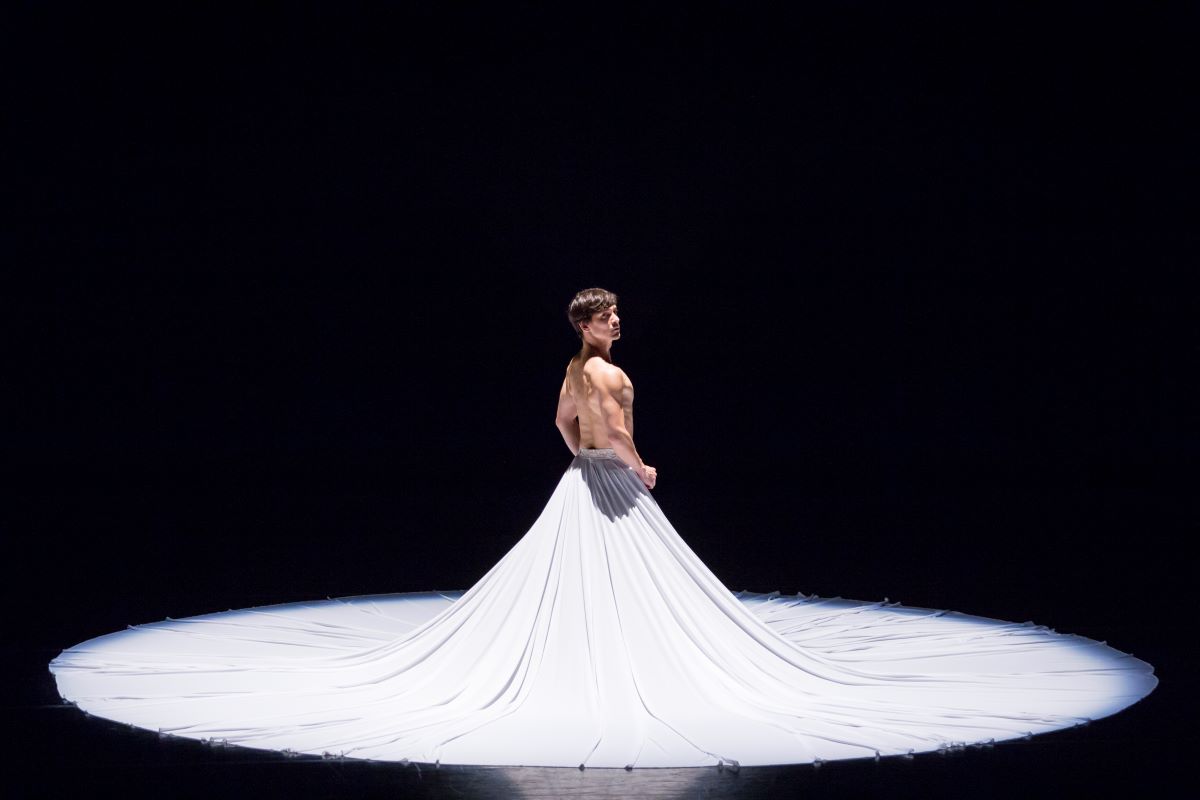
{"x": 601, "y": 640}
{"x": 603, "y": 417}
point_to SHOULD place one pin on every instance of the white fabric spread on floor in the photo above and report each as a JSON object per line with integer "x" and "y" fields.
{"x": 599, "y": 639}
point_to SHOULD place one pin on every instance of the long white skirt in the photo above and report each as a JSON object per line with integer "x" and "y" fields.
{"x": 599, "y": 639}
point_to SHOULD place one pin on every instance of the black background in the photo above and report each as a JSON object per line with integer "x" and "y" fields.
{"x": 899, "y": 290}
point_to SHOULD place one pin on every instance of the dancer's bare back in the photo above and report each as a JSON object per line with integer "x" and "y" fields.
{"x": 603, "y": 396}
{"x": 598, "y": 396}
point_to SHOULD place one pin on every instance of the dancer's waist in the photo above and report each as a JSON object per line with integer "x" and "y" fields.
{"x": 598, "y": 452}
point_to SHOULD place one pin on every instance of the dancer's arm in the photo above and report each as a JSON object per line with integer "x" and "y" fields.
{"x": 609, "y": 383}
{"x": 567, "y": 419}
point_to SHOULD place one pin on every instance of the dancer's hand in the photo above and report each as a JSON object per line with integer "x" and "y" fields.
{"x": 649, "y": 476}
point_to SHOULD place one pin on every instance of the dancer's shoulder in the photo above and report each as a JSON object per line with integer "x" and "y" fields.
{"x": 597, "y": 366}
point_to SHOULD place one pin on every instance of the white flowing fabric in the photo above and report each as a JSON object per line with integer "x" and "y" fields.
{"x": 599, "y": 639}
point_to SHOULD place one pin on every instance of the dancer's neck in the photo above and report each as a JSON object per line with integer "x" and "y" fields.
{"x": 589, "y": 350}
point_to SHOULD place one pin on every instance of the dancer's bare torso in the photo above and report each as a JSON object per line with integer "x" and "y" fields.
{"x": 580, "y": 381}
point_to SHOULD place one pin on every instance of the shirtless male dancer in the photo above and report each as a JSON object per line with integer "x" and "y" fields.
{"x": 595, "y": 404}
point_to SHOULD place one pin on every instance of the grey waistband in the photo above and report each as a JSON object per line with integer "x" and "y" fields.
{"x": 597, "y": 452}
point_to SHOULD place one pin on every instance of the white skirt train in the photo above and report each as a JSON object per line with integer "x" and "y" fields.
{"x": 599, "y": 639}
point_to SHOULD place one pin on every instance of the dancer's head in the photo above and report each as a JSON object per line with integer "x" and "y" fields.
{"x": 593, "y": 315}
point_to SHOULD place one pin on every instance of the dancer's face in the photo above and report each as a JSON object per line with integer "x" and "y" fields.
{"x": 605, "y": 324}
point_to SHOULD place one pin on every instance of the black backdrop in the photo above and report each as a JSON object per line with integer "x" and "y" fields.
{"x": 897, "y": 290}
